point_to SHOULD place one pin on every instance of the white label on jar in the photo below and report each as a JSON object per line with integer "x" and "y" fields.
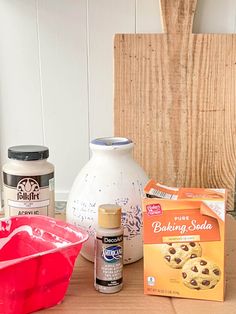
{"x": 28, "y": 195}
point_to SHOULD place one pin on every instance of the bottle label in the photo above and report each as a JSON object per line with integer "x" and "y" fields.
{"x": 109, "y": 261}
{"x": 28, "y": 195}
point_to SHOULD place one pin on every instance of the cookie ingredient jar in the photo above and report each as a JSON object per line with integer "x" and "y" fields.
{"x": 28, "y": 180}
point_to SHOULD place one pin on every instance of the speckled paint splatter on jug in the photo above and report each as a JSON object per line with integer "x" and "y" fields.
{"x": 110, "y": 176}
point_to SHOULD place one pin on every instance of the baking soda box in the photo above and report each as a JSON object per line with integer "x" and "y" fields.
{"x": 184, "y": 233}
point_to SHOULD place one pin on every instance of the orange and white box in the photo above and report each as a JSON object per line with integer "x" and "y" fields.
{"x": 184, "y": 235}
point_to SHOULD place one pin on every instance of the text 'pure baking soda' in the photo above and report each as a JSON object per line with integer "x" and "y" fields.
{"x": 184, "y": 232}
{"x": 108, "y": 264}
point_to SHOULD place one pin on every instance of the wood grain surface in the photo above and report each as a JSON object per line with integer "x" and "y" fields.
{"x": 175, "y": 96}
{"x": 82, "y": 298}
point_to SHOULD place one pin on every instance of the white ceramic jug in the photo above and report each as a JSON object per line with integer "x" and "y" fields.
{"x": 110, "y": 176}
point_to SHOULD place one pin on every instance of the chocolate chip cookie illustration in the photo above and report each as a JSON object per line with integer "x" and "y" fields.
{"x": 200, "y": 274}
{"x": 176, "y": 254}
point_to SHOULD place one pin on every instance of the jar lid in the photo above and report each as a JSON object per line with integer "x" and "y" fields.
{"x": 109, "y": 216}
{"x": 28, "y": 152}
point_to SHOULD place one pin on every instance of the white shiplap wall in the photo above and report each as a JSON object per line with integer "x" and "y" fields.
{"x": 56, "y": 70}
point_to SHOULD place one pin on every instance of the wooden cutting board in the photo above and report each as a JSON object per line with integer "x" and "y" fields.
{"x": 175, "y": 96}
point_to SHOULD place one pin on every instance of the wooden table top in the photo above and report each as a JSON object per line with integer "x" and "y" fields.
{"x": 81, "y": 296}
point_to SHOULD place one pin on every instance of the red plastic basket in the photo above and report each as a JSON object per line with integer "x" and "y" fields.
{"x": 37, "y": 256}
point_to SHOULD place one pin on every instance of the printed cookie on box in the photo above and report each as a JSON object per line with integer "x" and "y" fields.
{"x": 184, "y": 242}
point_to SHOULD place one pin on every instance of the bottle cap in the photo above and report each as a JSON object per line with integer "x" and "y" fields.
{"x": 28, "y": 152}
{"x": 109, "y": 216}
